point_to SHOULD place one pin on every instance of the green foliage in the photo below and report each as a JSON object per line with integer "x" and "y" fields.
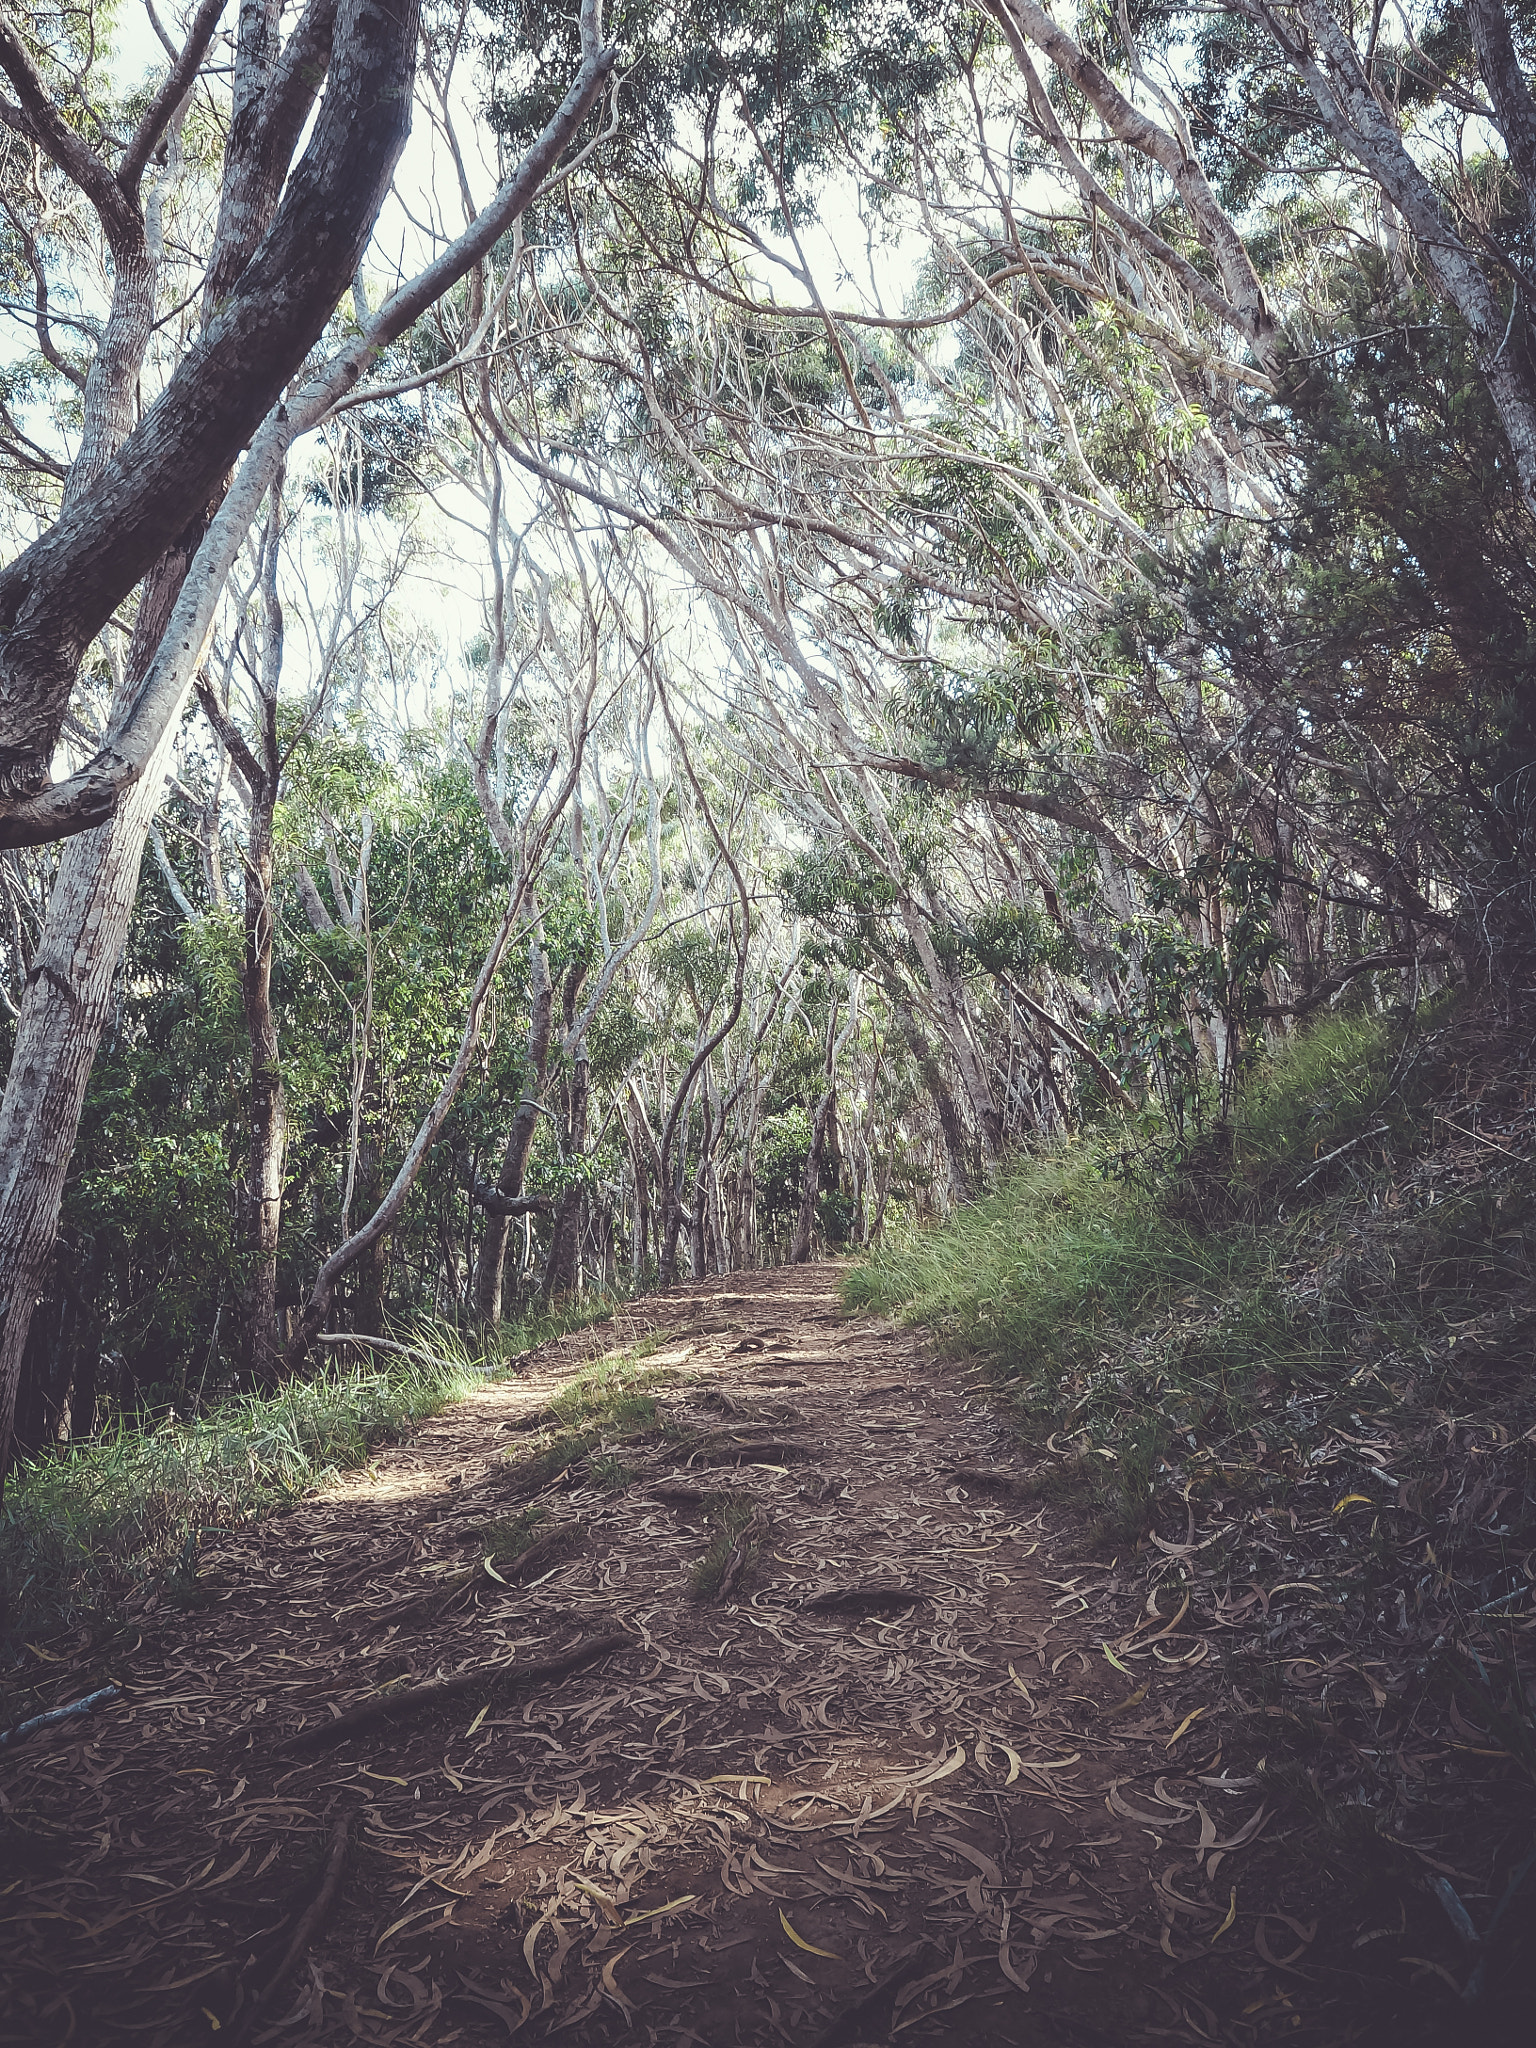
{"x": 78, "y": 1530}
{"x": 800, "y": 74}
{"x": 1123, "y": 1309}
{"x": 729, "y": 1513}
{"x": 611, "y": 1403}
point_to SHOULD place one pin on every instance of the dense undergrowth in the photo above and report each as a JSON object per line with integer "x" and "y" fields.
{"x": 83, "y": 1528}
{"x": 1173, "y": 1326}
{"x": 1290, "y": 1378}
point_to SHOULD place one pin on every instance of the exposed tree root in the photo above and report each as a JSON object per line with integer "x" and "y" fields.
{"x": 864, "y": 1600}
{"x": 313, "y": 1918}
{"x": 406, "y": 1701}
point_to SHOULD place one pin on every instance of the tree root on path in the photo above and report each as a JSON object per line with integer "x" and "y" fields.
{"x": 310, "y": 1923}
{"x": 404, "y": 1701}
{"x": 871, "y": 2019}
{"x": 864, "y": 1600}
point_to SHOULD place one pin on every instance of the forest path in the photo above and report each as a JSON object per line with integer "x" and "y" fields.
{"x": 934, "y": 1812}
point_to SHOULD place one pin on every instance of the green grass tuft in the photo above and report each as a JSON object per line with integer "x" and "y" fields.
{"x": 613, "y": 1402}
{"x": 730, "y": 1513}
{"x": 80, "y": 1529}
{"x": 1137, "y": 1311}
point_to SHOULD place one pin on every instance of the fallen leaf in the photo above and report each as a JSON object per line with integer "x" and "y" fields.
{"x": 1134, "y": 1700}
{"x": 672, "y": 1906}
{"x": 800, "y": 1941}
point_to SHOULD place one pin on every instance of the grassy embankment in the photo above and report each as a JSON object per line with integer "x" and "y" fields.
{"x": 1158, "y": 1328}
{"x": 81, "y": 1529}
{"x": 1290, "y": 1382}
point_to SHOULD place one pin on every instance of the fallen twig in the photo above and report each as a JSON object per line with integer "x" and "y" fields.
{"x": 1380, "y": 1131}
{"x": 421, "y": 1699}
{"x": 57, "y": 1714}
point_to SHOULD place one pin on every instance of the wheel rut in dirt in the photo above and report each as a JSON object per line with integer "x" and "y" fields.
{"x": 797, "y": 1728}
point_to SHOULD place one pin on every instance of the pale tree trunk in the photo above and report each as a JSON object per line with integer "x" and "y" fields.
{"x": 810, "y": 1187}
{"x": 698, "y": 1250}
{"x": 562, "y": 1267}
{"x": 68, "y": 995}
{"x": 490, "y": 1272}
{"x": 647, "y": 1164}
{"x": 60, "y": 591}
{"x": 373, "y": 1262}
{"x": 261, "y": 1196}
{"x": 956, "y": 1031}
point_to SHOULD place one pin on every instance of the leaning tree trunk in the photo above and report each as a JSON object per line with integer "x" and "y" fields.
{"x": 950, "y": 1125}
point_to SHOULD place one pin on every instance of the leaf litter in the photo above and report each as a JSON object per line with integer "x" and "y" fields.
{"x": 919, "y": 1772}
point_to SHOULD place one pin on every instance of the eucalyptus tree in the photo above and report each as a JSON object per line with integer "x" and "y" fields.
{"x": 145, "y": 502}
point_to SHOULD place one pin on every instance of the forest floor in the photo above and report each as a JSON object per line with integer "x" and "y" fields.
{"x": 888, "y": 1784}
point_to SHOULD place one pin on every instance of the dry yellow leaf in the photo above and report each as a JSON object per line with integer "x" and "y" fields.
{"x": 1231, "y": 1916}
{"x": 1184, "y": 1726}
{"x": 654, "y": 1912}
{"x": 800, "y": 1941}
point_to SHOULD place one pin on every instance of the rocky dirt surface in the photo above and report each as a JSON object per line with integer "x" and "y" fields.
{"x": 931, "y": 1768}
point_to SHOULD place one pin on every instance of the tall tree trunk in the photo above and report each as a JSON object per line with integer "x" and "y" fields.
{"x": 800, "y": 1250}
{"x": 673, "y": 1211}
{"x": 262, "y": 1195}
{"x": 698, "y": 1251}
{"x": 640, "y": 1237}
{"x": 956, "y": 1031}
{"x": 561, "y": 1268}
{"x": 490, "y": 1274}
{"x": 261, "y": 1203}
{"x": 63, "y": 1009}
{"x": 373, "y": 1262}
{"x": 950, "y": 1125}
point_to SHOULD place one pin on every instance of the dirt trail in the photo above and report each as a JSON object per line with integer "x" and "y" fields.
{"x": 933, "y": 1812}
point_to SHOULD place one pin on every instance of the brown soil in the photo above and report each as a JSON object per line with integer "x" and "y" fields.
{"x": 891, "y": 1788}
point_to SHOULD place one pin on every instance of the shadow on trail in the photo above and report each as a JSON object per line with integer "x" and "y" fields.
{"x": 887, "y": 1788}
